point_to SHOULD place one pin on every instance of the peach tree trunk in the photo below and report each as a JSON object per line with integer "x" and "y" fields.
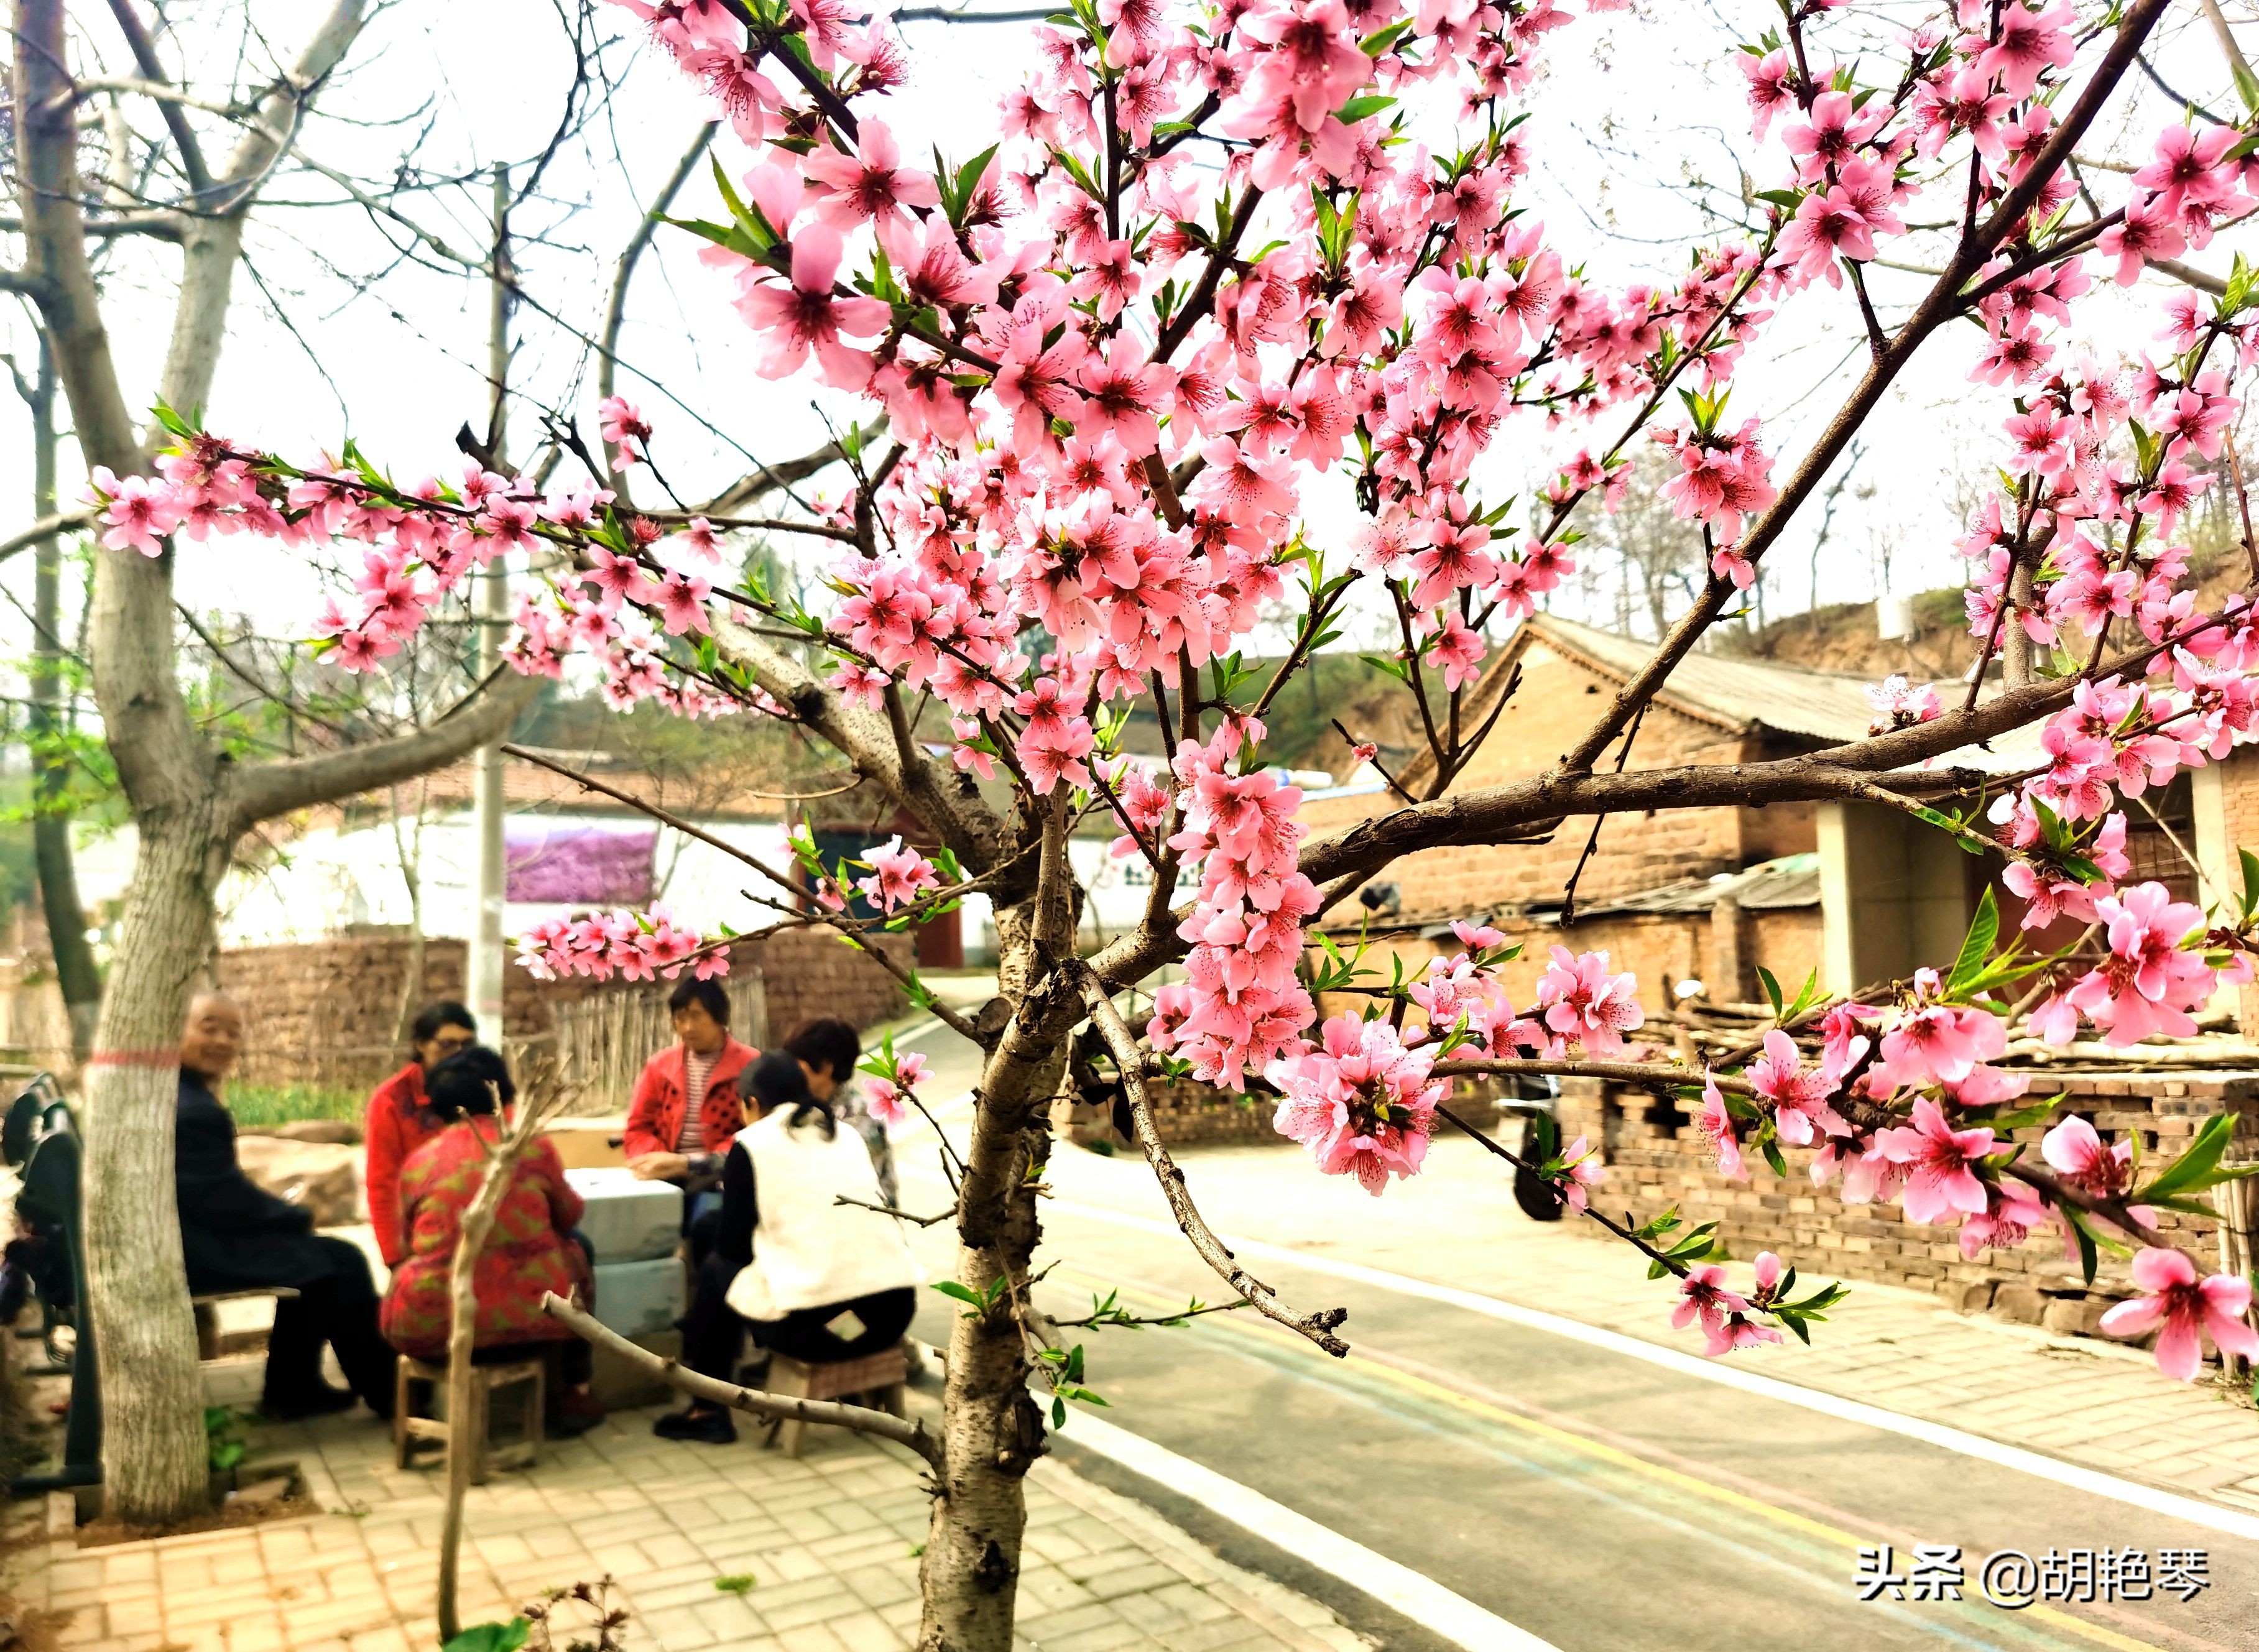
{"x": 992, "y": 1428}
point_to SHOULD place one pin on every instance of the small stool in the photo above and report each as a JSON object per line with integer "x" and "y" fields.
{"x": 876, "y": 1377}
{"x": 416, "y": 1390}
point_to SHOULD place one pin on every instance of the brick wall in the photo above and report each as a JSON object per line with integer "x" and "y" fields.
{"x": 812, "y": 973}
{"x": 1662, "y": 949}
{"x": 325, "y": 1012}
{"x": 1656, "y": 1159}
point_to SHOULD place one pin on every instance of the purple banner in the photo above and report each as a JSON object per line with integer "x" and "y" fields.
{"x": 578, "y": 865}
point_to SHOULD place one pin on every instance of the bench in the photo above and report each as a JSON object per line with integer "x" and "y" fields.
{"x": 212, "y": 1341}
{"x": 417, "y": 1388}
{"x": 875, "y": 1378}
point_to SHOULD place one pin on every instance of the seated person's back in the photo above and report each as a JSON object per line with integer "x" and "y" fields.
{"x": 531, "y": 1250}
{"x": 814, "y": 1280}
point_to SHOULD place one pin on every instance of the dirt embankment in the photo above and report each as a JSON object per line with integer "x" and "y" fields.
{"x": 1842, "y": 636}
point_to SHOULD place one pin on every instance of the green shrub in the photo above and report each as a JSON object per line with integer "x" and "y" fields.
{"x": 262, "y": 1107}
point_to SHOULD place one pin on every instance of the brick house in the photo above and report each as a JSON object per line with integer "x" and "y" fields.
{"x": 1857, "y": 892}
{"x": 1861, "y": 893}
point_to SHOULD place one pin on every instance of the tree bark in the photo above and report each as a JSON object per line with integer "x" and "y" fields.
{"x": 76, "y": 974}
{"x": 153, "y": 1448}
{"x": 462, "y": 1342}
{"x": 188, "y": 806}
{"x": 992, "y": 1430}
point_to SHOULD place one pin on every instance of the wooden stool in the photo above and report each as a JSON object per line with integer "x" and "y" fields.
{"x": 415, "y": 1429}
{"x": 878, "y": 1378}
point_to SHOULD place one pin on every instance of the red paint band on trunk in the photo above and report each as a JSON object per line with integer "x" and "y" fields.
{"x": 134, "y": 1058}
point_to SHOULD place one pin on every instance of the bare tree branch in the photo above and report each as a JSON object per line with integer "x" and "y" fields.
{"x": 170, "y": 105}
{"x": 44, "y": 527}
{"x": 879, "y": 1425}
{"x": 748, "y": 490}
{"x": 269, "y": 789}
{"x": 1123, "y": 1043}
{"x": 616, "y": 303}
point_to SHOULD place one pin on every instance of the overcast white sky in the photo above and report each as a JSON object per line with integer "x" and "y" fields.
{"x": 1630, "y": 110}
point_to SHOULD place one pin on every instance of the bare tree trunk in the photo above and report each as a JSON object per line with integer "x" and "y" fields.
{"x": 153, "y": 1448}
{"x": 76, "y": 974}
{"x": 992, "y": 1430}
{"x": 544, "y": 1096}
{"x": 189, "y": 807}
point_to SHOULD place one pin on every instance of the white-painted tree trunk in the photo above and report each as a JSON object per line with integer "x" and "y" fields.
{"x": 154, "y": 1467}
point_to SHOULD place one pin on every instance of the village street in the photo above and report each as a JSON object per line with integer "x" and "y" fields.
{"x": 1521, "y": 1433}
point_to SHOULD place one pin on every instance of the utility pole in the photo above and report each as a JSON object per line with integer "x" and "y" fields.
{"x": 483, "y": 963}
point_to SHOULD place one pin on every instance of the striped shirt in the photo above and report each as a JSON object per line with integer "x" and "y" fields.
{"x": 695, "y": 1068}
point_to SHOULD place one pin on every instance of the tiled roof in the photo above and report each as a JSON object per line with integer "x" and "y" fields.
{"x": 1791, "y": 880}
{"x": 1826, "y": 705}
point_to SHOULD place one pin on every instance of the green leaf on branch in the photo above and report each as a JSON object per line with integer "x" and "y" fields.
{"x": 978, "y": 1302}
{"x": 2001, "y": 1120}
{"x": 2199, "y": 1166}
{"x": 1771, "y": 990}
{"x": 1955, "y": 828}
{"x": 1806, "y": 995}
{"x": 1976, "y": 946}
{"x": 1380, "y": 39}
{"x": 2084, "y": 1236}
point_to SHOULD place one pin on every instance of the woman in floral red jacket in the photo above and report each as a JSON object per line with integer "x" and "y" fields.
{"x": 399, "y": 1123}
{"x": 531, "y": 1251}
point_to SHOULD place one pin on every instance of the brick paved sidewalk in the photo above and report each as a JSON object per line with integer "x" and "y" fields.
{"x": 2077, "y": 1397}
{"x": 832, "y": 1541}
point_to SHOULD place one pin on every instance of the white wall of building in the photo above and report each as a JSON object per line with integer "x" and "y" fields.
{"x": 329, "y": 880}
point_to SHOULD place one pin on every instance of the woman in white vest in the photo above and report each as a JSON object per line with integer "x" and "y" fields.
{"x": 814, "y": 1280}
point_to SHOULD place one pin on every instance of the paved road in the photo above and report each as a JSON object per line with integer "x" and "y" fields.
{"x": 1592, "y": 1497}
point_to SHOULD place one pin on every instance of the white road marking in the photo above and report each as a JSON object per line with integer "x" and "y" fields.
{"x": 2037, "y": 1465}
{"x": 1423, "y": 1599}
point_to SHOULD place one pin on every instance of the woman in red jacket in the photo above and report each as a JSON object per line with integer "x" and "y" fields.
{"x": 531, "y": 1250}
{"x": 685, "y": 1111}
{"x": 399, "y": 1123}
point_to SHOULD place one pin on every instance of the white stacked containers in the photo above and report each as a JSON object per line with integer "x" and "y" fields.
{"x": 633, "y": 1227}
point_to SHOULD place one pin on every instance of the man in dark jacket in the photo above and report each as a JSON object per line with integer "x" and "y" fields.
{"x": 237, "y": 1236}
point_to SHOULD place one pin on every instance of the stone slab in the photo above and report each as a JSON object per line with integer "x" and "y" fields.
{"x": 636, "y": 1298}
{"x": 628, "y": 1219}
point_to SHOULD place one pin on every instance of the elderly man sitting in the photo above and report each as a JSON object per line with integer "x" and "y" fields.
{"x": 237, "y": 1236}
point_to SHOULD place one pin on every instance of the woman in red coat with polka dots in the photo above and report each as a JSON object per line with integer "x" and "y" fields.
{"x": 531, "y": 1251}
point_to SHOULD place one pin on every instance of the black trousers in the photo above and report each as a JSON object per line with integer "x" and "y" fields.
{"x": 337, "y": 1307}
{"x": 713, "y": 1333}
